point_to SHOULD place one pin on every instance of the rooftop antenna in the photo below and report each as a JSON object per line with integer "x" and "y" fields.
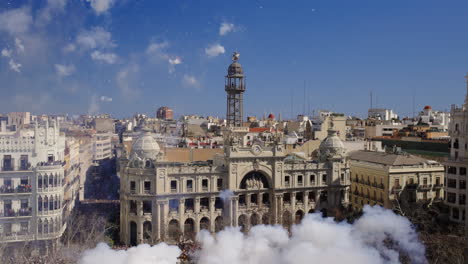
{"x": 304, "y": 105}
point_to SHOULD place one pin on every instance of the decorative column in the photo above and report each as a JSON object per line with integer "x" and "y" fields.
{"x": 293, "y": 203}
{"x": 197, "y": 215}
{"x": 212, "y": 213}
{"x": 305, "y": 199}
{"x": 234, "y": 209}
{"x": 155, "y": 221}
{"x": 181, "y": 214}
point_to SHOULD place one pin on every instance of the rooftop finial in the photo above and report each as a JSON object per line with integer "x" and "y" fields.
{"x": 235, "y": 56}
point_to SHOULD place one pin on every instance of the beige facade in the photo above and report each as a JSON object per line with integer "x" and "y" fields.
{"x": 457, "y": 164}
{"x": 378, "y": 178}
{"x": 250, "y": 184}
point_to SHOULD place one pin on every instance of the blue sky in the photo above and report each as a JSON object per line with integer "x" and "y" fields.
{"x": 128, "y": 56}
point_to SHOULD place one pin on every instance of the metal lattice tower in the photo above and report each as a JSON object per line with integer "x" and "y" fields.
{"x": 235, "y": 88}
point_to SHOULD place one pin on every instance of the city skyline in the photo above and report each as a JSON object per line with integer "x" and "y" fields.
{"x": 144, "y": 55}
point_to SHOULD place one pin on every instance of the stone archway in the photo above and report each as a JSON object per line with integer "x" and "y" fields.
{"x": 173, "y": 230}
{"x": 219, "y": 223}
{"x": 242, "y": 222}
{"x": 254, "y": 180}
{"x": 254, "y": 219}
{"x": 205, "y": 224}
{"x": 189, "y": 228}
{"x": 266, "y": 219}
{"x": 133, "y": 233}
{"x": 287, "y": 220}
{"x": 298, "y": 217}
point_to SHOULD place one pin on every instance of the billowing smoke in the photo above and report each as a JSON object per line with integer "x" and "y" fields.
{"x": 225, "y": 195}
{"x": 379, "y": 236}
{"x": 142, "y": 254}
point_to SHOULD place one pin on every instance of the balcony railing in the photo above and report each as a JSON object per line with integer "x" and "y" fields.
{"x": 438, "y": 186}
{"x": 25, "y": 211}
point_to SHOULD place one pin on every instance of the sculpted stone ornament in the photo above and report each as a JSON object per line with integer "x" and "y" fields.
{"x": 256, "y": 149}
{"x": 256, "y": 165}
{"x": 254, "y": 183}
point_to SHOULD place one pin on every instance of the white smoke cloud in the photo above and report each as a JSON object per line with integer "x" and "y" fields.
{"x": 101, "y": 6}
{"x": 19, "y": 45}
{"x": 214, "y": 50}
{"x": 142, "y": 254}
{"x": 317, "y": 239}
{"x": 15, "y": 66}
{"x": 225, "y": 195}
{"x": 44, "y": 15}
{"x": 175, "y": 61}
{"x": 225, "y": 28}
{"x": 95, "y": 38}
{"x": 69, "y": 47}
{"x": 6, "y": 52}
{"x": 94, "y": 106}
{"x": 126, "y": 81}
{"x": 64, "y": 70}
{"x": 109, "y": 58}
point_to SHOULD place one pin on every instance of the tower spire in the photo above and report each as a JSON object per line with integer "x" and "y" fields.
{"x": 235, "y": 88}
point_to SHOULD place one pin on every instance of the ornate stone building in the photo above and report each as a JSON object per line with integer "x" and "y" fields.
{"x": 31, "y": 184}
{"x": 457, "y": 164}
{"x": 253, "y": 182}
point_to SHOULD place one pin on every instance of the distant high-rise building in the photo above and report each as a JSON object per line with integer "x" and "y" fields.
{"x": 457, "y": 164}
{"x": 165, "y": 113}
{"x": 235, "y": 88}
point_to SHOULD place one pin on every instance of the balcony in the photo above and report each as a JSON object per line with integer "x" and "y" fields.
{"x": 24, "y": 188}
{"x": 438, "y": 186}
{"x": 425, "y": 187}
{"x": 25, "y": 211}
{"x": 7, "y": 189}
{"x": 380, "y": 186}
{"x": 8, "y": 213}
{"x": 397, "y": 188}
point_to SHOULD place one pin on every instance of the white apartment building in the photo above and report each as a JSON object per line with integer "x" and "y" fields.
{"x": 102, "y": 146}
{"x": 437, "y": 119}
{"x": 31, "y": 184}
{"x": 381, "y": 114}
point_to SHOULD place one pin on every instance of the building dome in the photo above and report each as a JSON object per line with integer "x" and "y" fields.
{"x": 271, "y": 116}
{"x": 427, "y": 107}
{"x": 146, "y": 147}
{"x": 235, "y": 69}
{"x": 331, "y": 146}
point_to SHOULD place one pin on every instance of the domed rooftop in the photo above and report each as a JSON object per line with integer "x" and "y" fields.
{"x": 331, "y": 145}
{"x": 427, "y": 107}
{"x": 271, "y": 116}
{"x": 235, "y": 69}
{"x": 146, "y": 147}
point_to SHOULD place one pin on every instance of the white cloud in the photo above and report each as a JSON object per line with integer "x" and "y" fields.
{"x": 225, "y": 28}
{"x": 214, "y": 50}
{"x": 95, "y": 38}
{"x": 64, "y": 70}
{"x": 109, "y": 58}
{"x": 14, "y": 65}
{"x": 190, "y": 81}
{"x": 175, "y": 61}
{"x": 105, "y": 99}
{"x": 19, "y": 45}
{"x": 16, "y": 20}
{"x": 126, "y": 80}
{"x": 101, "y": 6}
{"x": 6, "y": 52}
{"x": 157, "y": 49}
{"x": 44, "y": 15}
{"x": 69, "y": 47}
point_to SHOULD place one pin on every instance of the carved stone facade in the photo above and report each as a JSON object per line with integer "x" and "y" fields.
{"x": 250, "y": 184}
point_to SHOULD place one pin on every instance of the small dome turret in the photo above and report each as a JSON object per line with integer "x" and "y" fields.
{"x": 146, "y": 147}
{"x": 331, "y": 146}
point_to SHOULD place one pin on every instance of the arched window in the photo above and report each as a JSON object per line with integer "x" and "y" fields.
{"x": 39, "y": 204}
{"x": 51, "y": 203}
{"x": 456, "y": 144}
{"x": 46, "y": 203}
{"x": 39, "y": 181}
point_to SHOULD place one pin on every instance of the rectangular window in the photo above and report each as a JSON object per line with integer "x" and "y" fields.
{"x": 451, "y": 197}
{"x": 147, "y": 207}
{"x": 396, "y": 183}
{"x": 324, "y": 178}
{"x": 24, "y": 162}
{"x": 132, "y": 187}
{"x": 205, "y": 184}
{"x": 286, "y": 180}
{"x": 462, "y": 170}
{"x": 425, "y": 181}
{"x": 173, "y": 186}
{"x": 461, "y": 199}
{"x": 452, "y": 170}
{"x": 189, "y": 185}
{"x": 437, "y": 181}
{"x": 452, "y": 183}
{"x": 299, "y": 180}
{"x": 133, "y": 207}
{"x": 312, "y": 179}
{"x": 219, "y": 184}
{"x": 24, "y": 227}
{"x": 7, "y": 163}
{"x": 147, "y": 186}
{"x": 462, "y": 184}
